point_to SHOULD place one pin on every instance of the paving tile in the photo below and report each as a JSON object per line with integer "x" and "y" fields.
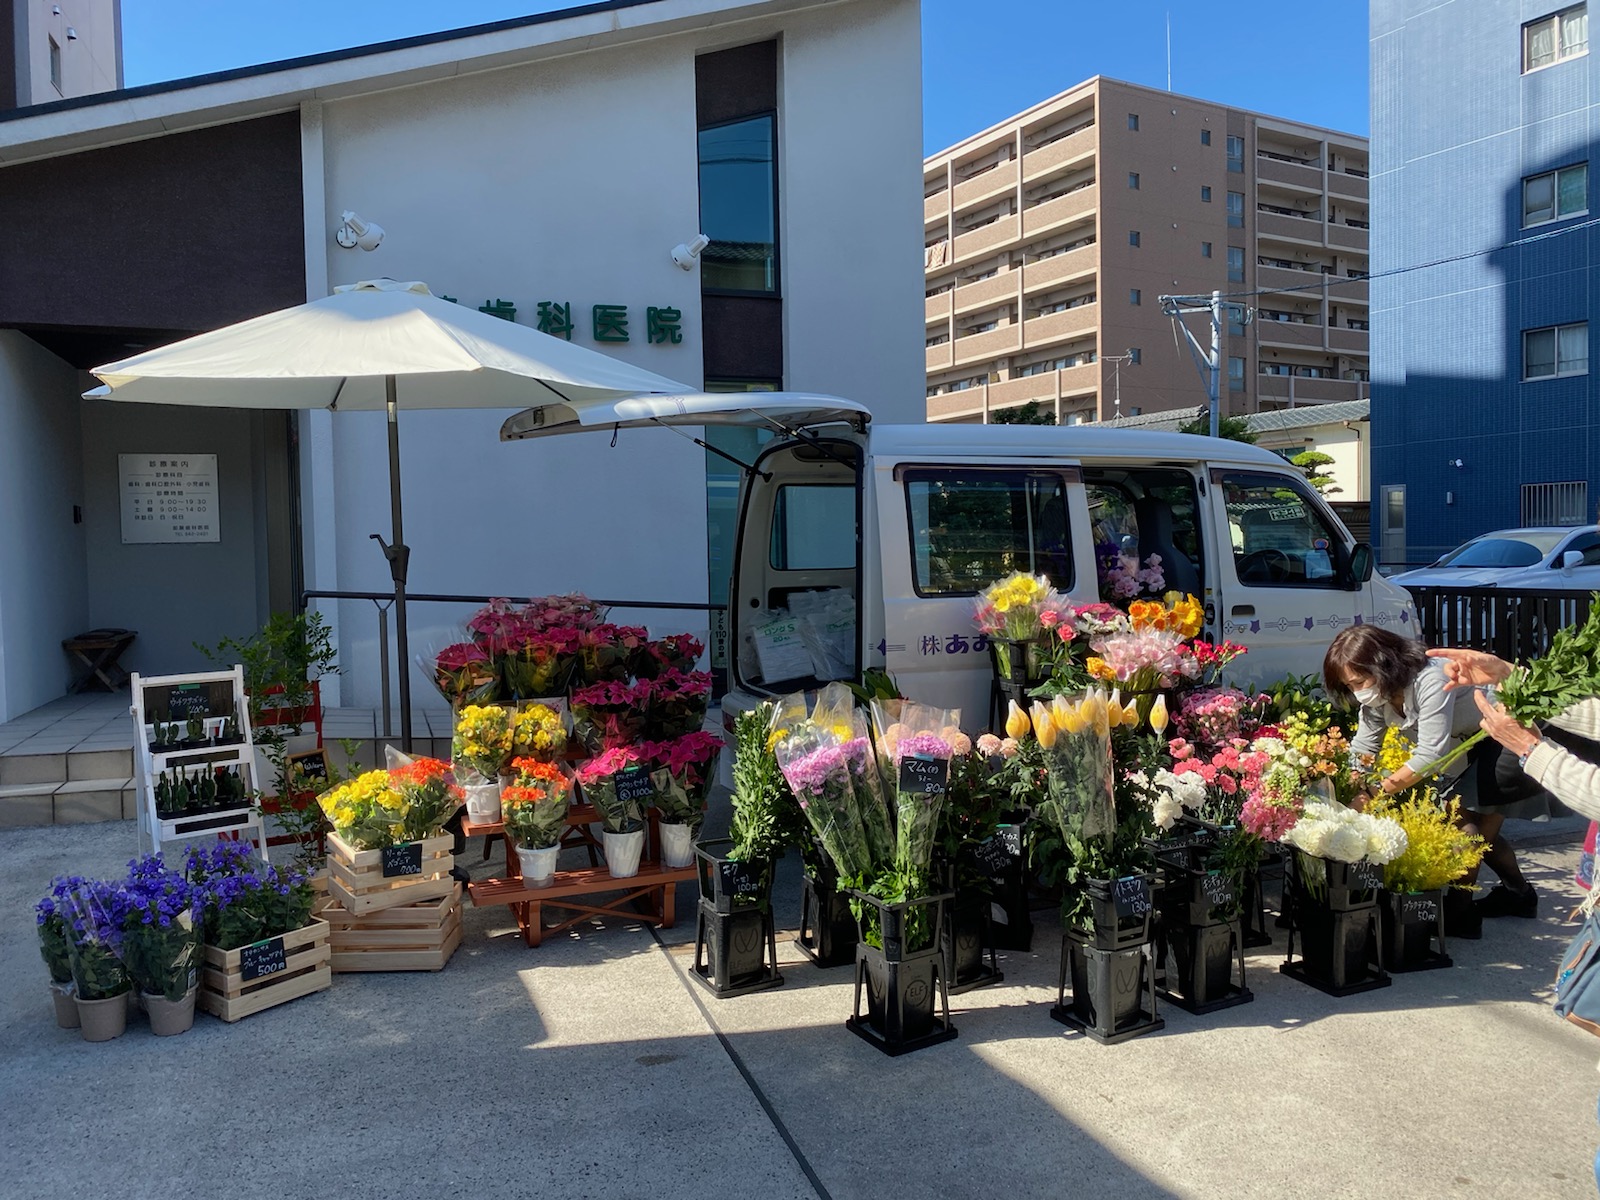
{"x": 33, "y": 768}
{"x": 77, "y": 808}
{"x": 18, "y": 811}
{"x": 83, "y": 763}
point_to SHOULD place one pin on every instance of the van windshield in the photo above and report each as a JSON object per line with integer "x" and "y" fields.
{"x": 971, "y": 527}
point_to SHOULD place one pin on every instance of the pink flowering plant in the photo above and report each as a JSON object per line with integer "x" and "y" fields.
{"x": 1214, "y": 717}
{"x": 609, "y": 714}
{"x": 675, "y": 652}
{"x": 1123, "y": 577}
{"x": 620, "y": 812}
{"x": 684, "y": 770}
{"x": 675, "y": 703}
{"x": 538, "y": 663}
{"x": 606, "y": 653}
{"x": 465, "y": 673}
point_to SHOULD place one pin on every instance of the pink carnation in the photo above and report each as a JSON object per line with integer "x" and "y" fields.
{"x": 1269, "y": 821}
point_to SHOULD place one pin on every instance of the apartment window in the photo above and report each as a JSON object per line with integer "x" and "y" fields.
{"x": 1205, "y": 249}
{"x": 55, "y": 65}
{"x": 1133, "y": 122}
{"x": 1205, "y": 194}
{"x": 1235, "y": 320}
{"x": 1133, "y": 237}
{"x": 1236, "y": 155}
{"x": 1235, "y": 264}
{"x": 1555, "y": 195}
{"x": 739, "y": 206}
{"x": 1235, "y": 210}
{"x": 1135, "y": 356}
{"x": 1205, "y": 137}
{"x": 1133, "y": 181}
{"x": 1133, "y": 296}
{"x": 1555, "y": 38}
{"x": 1236, "y": 374}
{"x": 1559, "y": 350}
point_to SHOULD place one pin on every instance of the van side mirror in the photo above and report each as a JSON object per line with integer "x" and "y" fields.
{"x": 1572, "y": 558}
{"x": 1360, "y": 563}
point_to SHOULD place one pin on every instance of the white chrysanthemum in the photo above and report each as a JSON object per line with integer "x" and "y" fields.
{"x": 1166, "y": 812}
{"x": 1188, "y": 789}
{"x": 1347, "y": 843}
{"x": 1309, "y": 834}
{"x": 1386, "y": 840}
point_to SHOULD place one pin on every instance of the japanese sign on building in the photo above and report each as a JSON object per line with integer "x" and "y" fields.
{"x": 168, "y": 498}
{"x": 602, "y": 323}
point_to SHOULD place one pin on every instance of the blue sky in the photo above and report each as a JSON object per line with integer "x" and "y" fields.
{"x": 1305, "y": 61}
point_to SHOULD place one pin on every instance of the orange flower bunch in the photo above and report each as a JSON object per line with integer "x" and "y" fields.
{"x": 538, "y": 774}
{"x": 419, "y": 772}
{"x": 1179, "y": 614}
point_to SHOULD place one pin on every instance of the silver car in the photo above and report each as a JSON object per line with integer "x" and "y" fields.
{"x": 1542, "y": 557}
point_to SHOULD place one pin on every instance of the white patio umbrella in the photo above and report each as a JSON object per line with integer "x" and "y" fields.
{"x": 376, "y": 345}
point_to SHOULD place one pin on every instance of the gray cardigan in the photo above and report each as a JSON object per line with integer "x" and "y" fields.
{"x": 1433, "y": 720}
{"x": 1562, "y": 773}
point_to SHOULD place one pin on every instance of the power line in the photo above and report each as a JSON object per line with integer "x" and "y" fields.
{"x": 1331, "y": 281}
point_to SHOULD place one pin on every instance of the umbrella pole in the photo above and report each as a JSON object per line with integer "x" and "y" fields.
{"x": 398, "y": 554}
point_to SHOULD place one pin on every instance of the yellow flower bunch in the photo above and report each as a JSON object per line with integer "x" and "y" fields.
{"x": 1326, "y": 747}
{"x": 537, "y": 730}
{"x": 1174, "y": 613}
{"x": 1096, "y": 712}
{"x": 1017, "y": 591}
{"x": 364, "y": 810}
{"x": 1394, "y": 753}
{"x": 483, "y": 738}
{"x": 1437, "y": 853}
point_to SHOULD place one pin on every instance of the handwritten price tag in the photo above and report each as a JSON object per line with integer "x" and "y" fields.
{"x": 1131, "y": 896}
{"x": 261, "y": 959}
{"x": 404, "y": 859}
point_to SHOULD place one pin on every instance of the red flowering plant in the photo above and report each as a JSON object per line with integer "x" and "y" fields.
{"x": 539, "y": 661}
{"x": 606, "y": 653}
{"x": 571, "y": 611}
{"x": 619, "y": 808}
{"x": 685, "y": 768}
{"x": 495, "y": 626}
{"x": 609, "y": 714}
{"x": 1212, "y": 657}
{"x": 466, "y": 674}
{"x": 676, "y": 703}
{"x": 429, "y": 796}
{"x": 675, "y": 652}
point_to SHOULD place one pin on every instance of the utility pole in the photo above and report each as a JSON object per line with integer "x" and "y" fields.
{"x": 1116, "y": 379}
{"x": 1178, "y": 307}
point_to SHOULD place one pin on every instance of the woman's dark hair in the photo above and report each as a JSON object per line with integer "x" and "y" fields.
{"x": 1390, "y": 660}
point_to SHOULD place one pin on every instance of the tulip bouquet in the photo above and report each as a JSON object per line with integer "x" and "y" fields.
{"x": 1075, "y": 737}
{"x": 614, "y": 798}
{"x": 537, "y": 731}
{"x": 483, "y": 740}
{"x": 1154, "y": 653}
{"x": 535, "y": 806}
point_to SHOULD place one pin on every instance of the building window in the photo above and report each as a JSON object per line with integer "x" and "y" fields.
{"x": 1133, "y": 181}
{"x": 1235, "y": 210}
{"x": 1235, "y": 320}
{"x": 1236, "y": 155}
{"x": 1235, "y": 264}
{"x": 55, "y": 65}
{"x": 1555, "y": 195}
{"x": 1205, "y": 249}
{"x": 1555, "y": 38}
{"x": 1556, "y": 351}
{"x": 1205, "y": 194}
{"x": 1133, "y": 122}
{"x": 1133, "y": 296}
{"x": 1205, "y": 137}
{"x": 1133, "y": 237}
{"x": 739, "y": 206}
{"x": 1236, "y": 374}
{"x": 1135, "y": 356}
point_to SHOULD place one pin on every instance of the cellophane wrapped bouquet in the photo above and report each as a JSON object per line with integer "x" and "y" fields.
{"x": 535, "y": 805}
{"x": 619, "y": 810}
{"x": 483, "y": 742}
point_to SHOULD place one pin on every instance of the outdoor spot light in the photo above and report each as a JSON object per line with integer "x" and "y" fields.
{"x": 1455, "y": 462}
{"x": 355, "y": 232}
{"x": 72, "y": 34}
{"x": 686, "y": 254}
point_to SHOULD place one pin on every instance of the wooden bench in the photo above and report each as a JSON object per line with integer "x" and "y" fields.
{"x": 107, "y": 646}
{"x": 649, "y": 896}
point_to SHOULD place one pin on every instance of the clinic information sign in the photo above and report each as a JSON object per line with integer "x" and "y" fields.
{"x": 168, "y": 498}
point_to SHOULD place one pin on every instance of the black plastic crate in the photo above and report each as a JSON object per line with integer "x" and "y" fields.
{"x": 1338, "y": 948}
{"x": 1113, "y": 993}
{"x": 967, "y": 942}
{"x": 827, "y": 926}
{"x": 735, "y": 953}
{"x": 1411, "y": 931}
{"x": 1201, "y": 968}
{"x": 1121, "y": 910}
{"x": 906, "y": 991}
{"x": 728, "y": 886}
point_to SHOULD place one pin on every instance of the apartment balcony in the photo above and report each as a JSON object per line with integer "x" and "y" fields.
{"x": 984, "y": 292}
{"x": 1352, "y": 187}
{"x": 985, "y": 238}
{"x": 1074, "y": 206}
{"x": 985, "y": 347}
{"x": 1307, "y": 229}
{"x": 991, "y": 184}
{"x": 1349, "y": 237}
{"x": 935, "y": 208}
{"x": 1298, "y": 175}
{"x": 1289, "y": 333}
{"x": 1069, "y": 149}
{"x": 1350, "y": 341}
{"x": 956, "y": 406}
{"x": 1062, "y": 326}
{"x": 1283, "y": 278}
{"x": 1285, "y": 388}
{"x": 937, "y": 308}
{"x": 1061, "y": 268}
{"x": 971, "y": 403}
{"x": 1351, "y": 291}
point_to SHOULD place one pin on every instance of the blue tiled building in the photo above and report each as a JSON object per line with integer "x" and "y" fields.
{"x": 1485, "y": 119}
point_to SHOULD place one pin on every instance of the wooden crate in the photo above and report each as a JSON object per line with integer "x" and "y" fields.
{"x": 225, "y": 993}
{"x": 414, "y": 937}
{"x": 356, "y": 879}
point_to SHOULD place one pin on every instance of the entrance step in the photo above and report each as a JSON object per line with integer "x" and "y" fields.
{"x": 74, "y": 803}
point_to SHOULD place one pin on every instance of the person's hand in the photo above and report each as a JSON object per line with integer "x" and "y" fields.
{"x": 1470, "y": 668}
{"x": 1360, "y": 801}
{"x": 1504, "y": 728}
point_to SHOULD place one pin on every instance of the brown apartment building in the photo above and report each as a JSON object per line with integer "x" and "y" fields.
{"x": 1050, "y": 237}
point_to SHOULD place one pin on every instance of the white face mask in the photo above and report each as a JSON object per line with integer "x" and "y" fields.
{"x": 1367, "y": 697}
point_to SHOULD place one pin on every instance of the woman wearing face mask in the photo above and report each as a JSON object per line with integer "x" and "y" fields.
{"x": 1396, "y": 683}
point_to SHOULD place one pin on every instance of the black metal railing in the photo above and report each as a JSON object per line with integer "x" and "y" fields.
{"x": 384, "y": 601}
{"x": 1515, "y": 625}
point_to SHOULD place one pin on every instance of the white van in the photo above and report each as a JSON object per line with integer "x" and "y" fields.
{"x": 911, "y": 522}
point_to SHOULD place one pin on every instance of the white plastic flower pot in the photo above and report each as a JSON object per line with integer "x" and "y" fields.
{"x": 170, "y": 1017}
{"x": 622, "y": 853}
{"x": 677, "y": 845}
{"x": 64, "y": 997}
{"x": 539, "y": 864}
{"x": 102, "y": 1020}
{"x": 483, "y": 802}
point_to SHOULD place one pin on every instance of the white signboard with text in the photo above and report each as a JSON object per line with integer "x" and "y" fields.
{"x": 168, "y": 497}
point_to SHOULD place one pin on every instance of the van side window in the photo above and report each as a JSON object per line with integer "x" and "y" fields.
{"x": 1279, "y": 537}
{"x": 972, "y": 527}
{"x": 814, "y": 527}
{"x": 1140, "y": 513}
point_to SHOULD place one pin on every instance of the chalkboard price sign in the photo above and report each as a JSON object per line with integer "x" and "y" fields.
{"x": 404, "y": 859}
{"x": 312, "y": 766}
{"x": 634, "y": 787}
{"x": 1364, "y": 875}
{"x": 1419, "y": 910}
{"x": 741, "y": 880}
{"x": 188, "y": 700}
{"x": 261, "y": 959}
{"x": 1215, "y": 889}
{"x": 1000, "y": 853}
{"x": 923, "y": 776}
{"x": 1131, "y": 895}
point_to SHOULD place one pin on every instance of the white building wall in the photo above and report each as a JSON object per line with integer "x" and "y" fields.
{"x": 90, "y": 62}
{"x": 571, "y": 180}
{"x": 43, "y": 579}
{"x": 1346, "y": 444}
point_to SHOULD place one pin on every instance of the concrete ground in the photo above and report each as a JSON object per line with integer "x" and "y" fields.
{"x": 593, "y": 1067}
